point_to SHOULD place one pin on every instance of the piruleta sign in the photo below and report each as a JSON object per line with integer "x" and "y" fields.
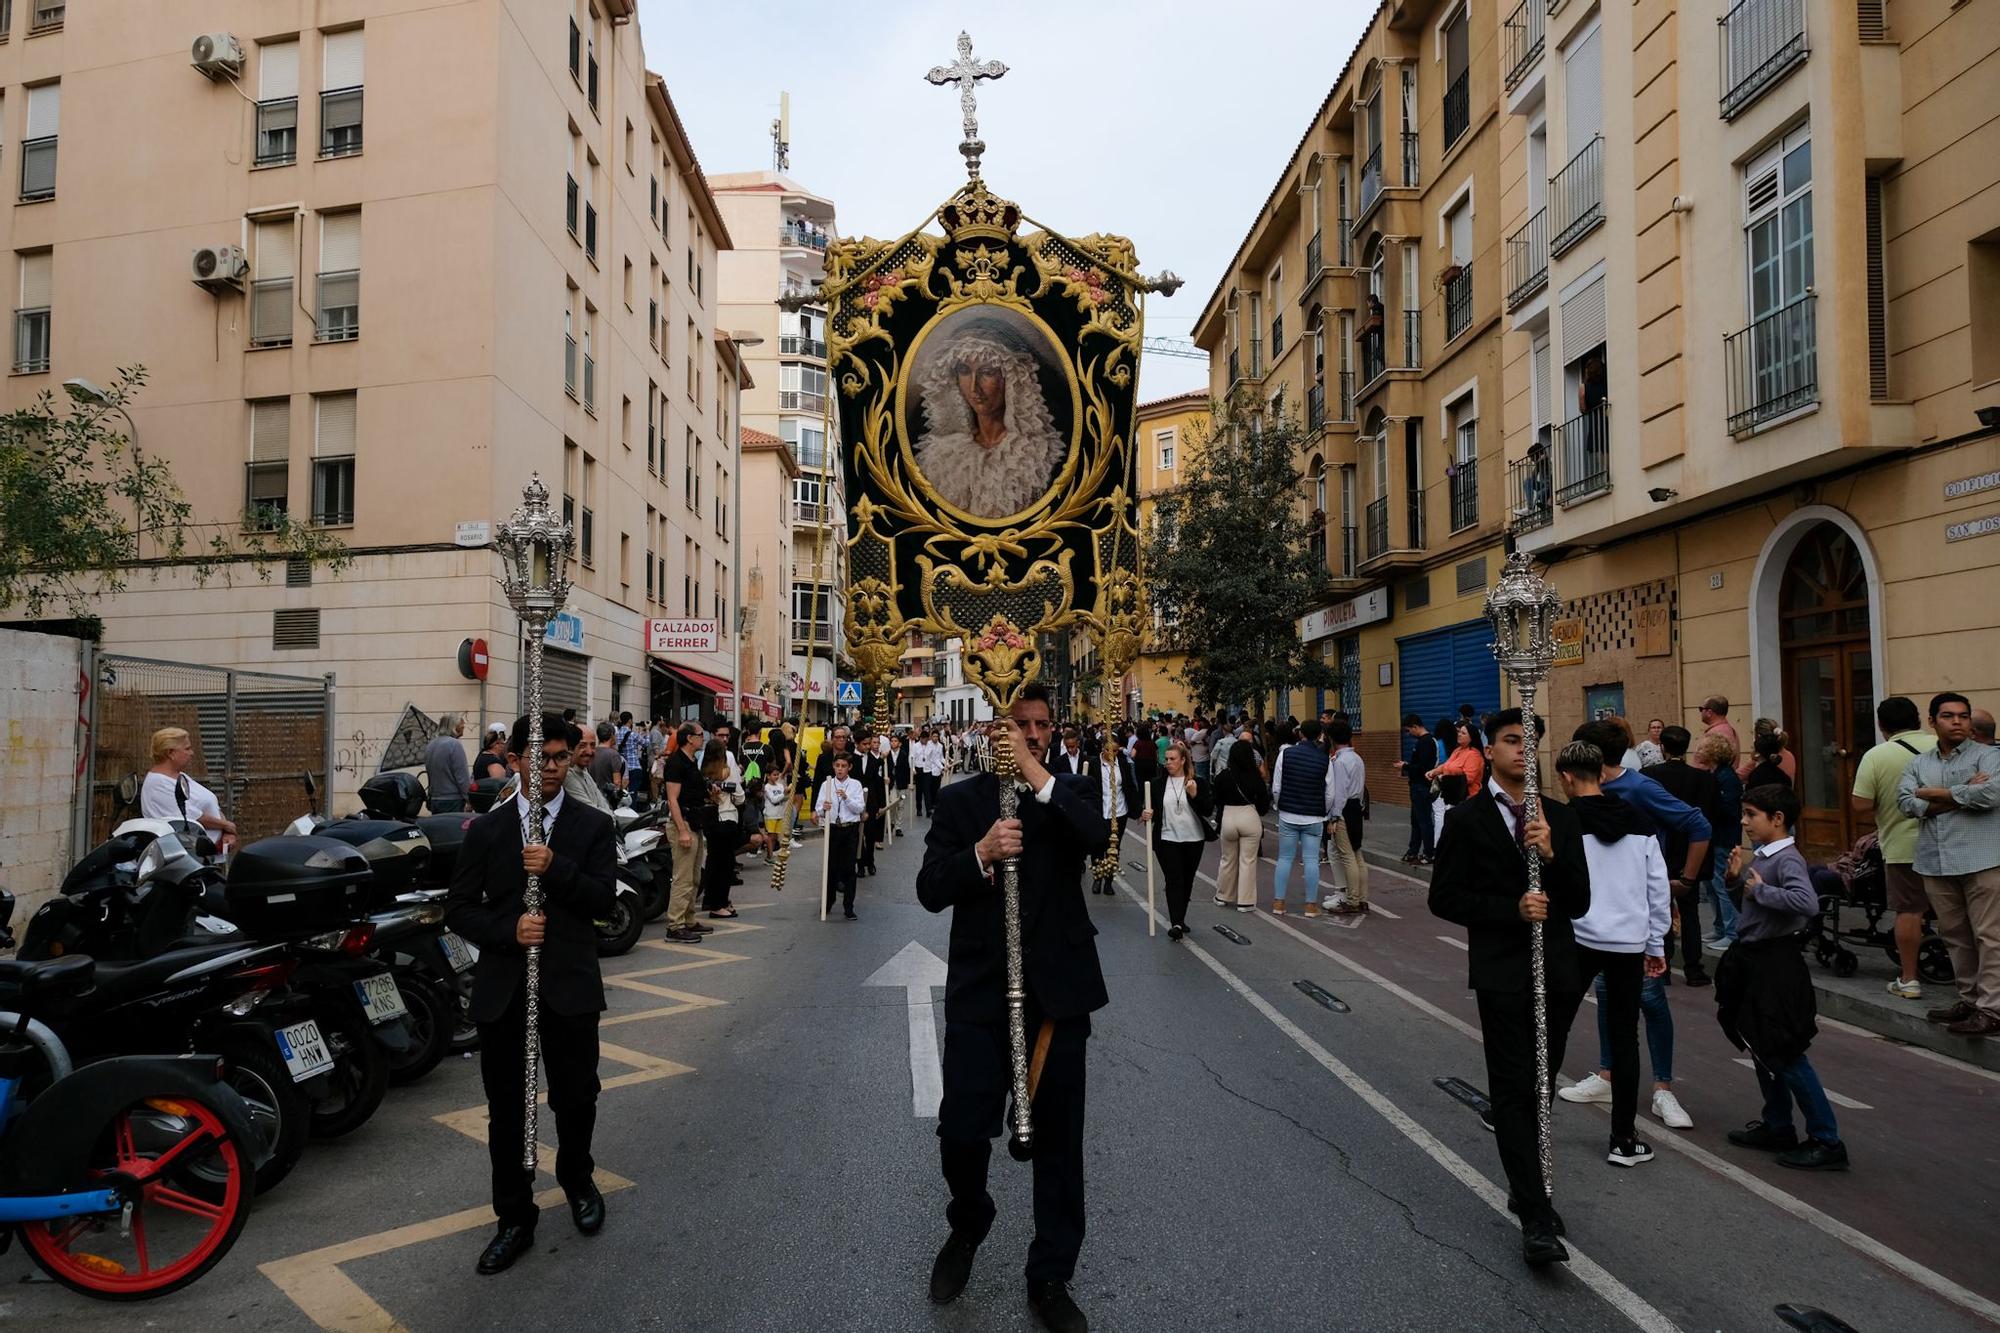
{"x": 683, "y": 636}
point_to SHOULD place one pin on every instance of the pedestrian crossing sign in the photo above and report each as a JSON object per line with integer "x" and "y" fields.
{"x": 848, "y": 693}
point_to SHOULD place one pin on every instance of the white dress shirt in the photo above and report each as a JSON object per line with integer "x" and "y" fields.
{"x": 550, "y": 809}
{"x": 841, "y": 801}
{"x": 1350, "y": 773}
{"x": 1114, "y": 792}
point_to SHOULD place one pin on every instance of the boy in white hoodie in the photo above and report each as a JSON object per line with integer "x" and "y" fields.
{"x": 1623, "y": 936}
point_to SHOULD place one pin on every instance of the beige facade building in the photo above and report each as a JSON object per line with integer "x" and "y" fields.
{"x": 769, "y": 469}
{"x": 1164, "y": 430}
{"x": 781, "y": 231}
{"x": 1751, "y": 265}
{"x": 377, "y": 289}
{"x": 1366, "y": 300}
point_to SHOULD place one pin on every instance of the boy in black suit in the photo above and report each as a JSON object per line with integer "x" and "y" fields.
{"x": 1058, "y": 827}
{"x": 1480, "y": 881}
{"x": 1122, "y": 804}
{"x": 578, "y": 869}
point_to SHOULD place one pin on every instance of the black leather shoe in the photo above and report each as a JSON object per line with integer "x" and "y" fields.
{"x": 1539, "y": 1245}
{"x": 1052, "y": 1305}
{"x": 587, "y": 1210}
{"x": 952, "y": 1269}
{"x": 1514, "y": 1207}
{"x": 500, "y": 1253}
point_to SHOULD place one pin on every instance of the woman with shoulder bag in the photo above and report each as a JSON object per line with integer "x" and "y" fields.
{"x": 721, "y": 823}
{"x": 1245, "y": 800}
{"x": 1182, "y": 809}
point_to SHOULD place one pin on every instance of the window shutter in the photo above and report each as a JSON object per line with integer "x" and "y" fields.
{"x": 1541, "y": 384}
{"x": 343, "y": 60}
{"x": 1878, "y": 297}
{"x": 1461, "y": 235}
{"x": 274, "y": 249}
{"x": 335, "y": 435}
{"x": 277, "y": 70}
{"x": 340, "y": 241}
{"x": 1471, "y": 576}
{"x": 44, "y": 110}
{"x": 1583, "y": 321}
{"x": 271, "y": 430}
{"x": 1583, "y": 91}
{"x": 37, "y": 282}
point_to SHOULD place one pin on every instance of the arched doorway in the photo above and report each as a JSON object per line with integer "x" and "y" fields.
{"x": 1825, "y": 647}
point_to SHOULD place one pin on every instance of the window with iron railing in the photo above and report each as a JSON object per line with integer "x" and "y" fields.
{"x": 590, "y": 231}
{"x": 572, "y": 205}
{"x": 1528, "y": 257}
{"x": 1373, "y": 358}
{"x": 1344, "y": 568}
{"x": 590, "y": 384}
{"x": 1235, "y": 367}
{"x": 792, "y": 344}
{"x": 339, "y": 306}
{"x": 1529, "y": 501}
{"x": 1313, "y": 256}
{"x": 1315, "y": 407}
{"x": 1413, "y": 157}
{"x": 1457, "y": 108}
{"x": 1464, "y": 484}
{"x": 31, "y": 340}
{"x": 1576, "y": 197}
{"x": 586, "y": 539}
{"x": 1773, "y": 365}
{"x": 340, "y": 122}
{"x": 1277, "y": 337}
{"x": 1522, "y": 39}
{"x": 1414, "y": 514}
{"x": 569, "y": 365}
{"x": 1584, "y": 443}
{"x": 1344, "y": 407}
{"x": 1413, "y": 338}
{"x": 1761, "y": 42}
{"x": 1256, "y": 367}
{"x": 590, "y": 74}
{"x": 266, "y": 497}
{"x": 333, "y": 492}
{"x": 1378, "y": 527}
{"x": 575, "y": 52}
{"x": 1371, "y": 178}
{"x": 277, "y": 131}
{"x": 48, "y": 16}
{"x": 1457, "y": 301}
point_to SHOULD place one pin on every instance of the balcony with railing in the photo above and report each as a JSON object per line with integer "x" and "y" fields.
{"x": 808, "y": 511}
{"x": 277, "y": 131}
{"x": 340, "y": 122}
{"x": 794, "y": 345}
{"x": 1254, "y": 369}
{"x": 1413, "y": 339}
{"x": 1462, "y": 480}
{"x": 38, "y": 168}
{"x": 1584, "y": 444}
{"x": 1344, "y": 231}
{"x": 1457, "y": 108}
{"x": 1772, "y": 366}
{"x": 1378, "y": 528}
{"x": 1457, "y": 300}
{"x": 800, "y": 234}
{"x": 1413, "y": 158}
{"x": 1576, "y": 197}
{"x": 569, "y": 365}
{"x": 1521, "y": 40}
{"x": 1277, "y": 337}
{"x": 1316, "y": 540}
{"x": 1761, "y": 42}
{"x": 1529, "y": 505}
{"x": 1313, "y": 253}
{"x": 1344, "y": 558}
{"x": 1371, "y": 179}
{"x": 1528, "y": 258}
{"x": 801, "y": 400}
{"x": 1414, "y": 512}
{"x": 1315, "y": 407}
{"x": 1344, "y": 406}
{"x": 1374, "y": 355}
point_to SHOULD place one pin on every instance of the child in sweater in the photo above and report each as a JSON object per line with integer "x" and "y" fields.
{"x": 1763, "y": 994}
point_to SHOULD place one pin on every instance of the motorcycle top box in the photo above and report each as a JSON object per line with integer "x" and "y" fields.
{"x": 296, "y": 885}
{"x": 393, "y": 795}
{"x": 447, "y": 835}
{"x": 395, "y": 851}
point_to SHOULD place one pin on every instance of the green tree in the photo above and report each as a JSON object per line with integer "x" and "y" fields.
{"x": 81, "y": 507}
{"x": 1230, "y": 564}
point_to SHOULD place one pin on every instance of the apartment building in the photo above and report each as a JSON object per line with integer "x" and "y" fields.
{"x": 376, "y": 289}
{"x": 781, "y": 232}
{"x": 769, "y": 469}
{"x": 1366, "y": 298}
{"x": 1753, "y": 373}
{"x": 1163, "y": 430}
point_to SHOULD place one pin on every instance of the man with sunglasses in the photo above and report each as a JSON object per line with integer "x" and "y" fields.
{"x": 578, "y": 869}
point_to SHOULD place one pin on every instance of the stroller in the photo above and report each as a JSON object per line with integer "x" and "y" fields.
{"x": 1857, "y": 883}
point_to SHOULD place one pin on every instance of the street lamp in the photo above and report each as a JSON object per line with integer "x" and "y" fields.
{"x": 534, "y": 548}
{"x": 742, "y": 338}
{"x": 1523, "y": 608}
{"x": 89, "y": 393}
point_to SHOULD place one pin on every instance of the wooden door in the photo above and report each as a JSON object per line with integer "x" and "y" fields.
{"x": 1829, "y": 683}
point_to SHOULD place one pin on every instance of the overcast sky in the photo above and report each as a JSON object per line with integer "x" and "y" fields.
{"x": 1165, "y": 121}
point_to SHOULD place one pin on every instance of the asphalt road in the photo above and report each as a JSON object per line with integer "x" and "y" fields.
{"x": 1255, "y": 1159}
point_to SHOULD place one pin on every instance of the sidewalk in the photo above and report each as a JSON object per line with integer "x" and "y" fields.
{"x": 1859, "y": 1000}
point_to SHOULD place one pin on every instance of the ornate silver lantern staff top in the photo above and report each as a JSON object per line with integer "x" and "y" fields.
{"x": 534, "y": 545}
{"x": 965, "y": 72}
{"x": 1523, "y": 608}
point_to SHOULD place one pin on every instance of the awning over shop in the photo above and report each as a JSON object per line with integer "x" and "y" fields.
{"x": 715, "y": 688}
{"x": 762, "y": 707}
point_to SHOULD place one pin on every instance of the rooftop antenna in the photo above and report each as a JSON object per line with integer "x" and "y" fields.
{"x": 781, "y": 134}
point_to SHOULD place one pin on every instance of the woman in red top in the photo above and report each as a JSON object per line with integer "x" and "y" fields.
{"x": 1464, "y": 760}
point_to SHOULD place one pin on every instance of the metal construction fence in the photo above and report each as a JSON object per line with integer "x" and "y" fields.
{"x": 258, "y": 738}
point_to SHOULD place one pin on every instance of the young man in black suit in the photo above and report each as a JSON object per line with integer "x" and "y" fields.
{"x": 578, "y": 869}
{"x": 1122, "y": 803}
{"x": 1058, "y": 827}
{"x": 1480, "y": 881}
{"x": 873, "y": 774}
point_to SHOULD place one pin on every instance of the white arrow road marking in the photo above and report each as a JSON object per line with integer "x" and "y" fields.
{"x": 916, "y": 971}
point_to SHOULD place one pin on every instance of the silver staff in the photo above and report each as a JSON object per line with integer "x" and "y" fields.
{"x": 1021, "y": 1143}
{"x": 1523, "y": 608}
{"x": 534, "y": 546}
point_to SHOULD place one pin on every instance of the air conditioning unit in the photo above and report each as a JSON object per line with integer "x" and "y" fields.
{"x": 220, "y": 267}
{"x": 217, "y": 55}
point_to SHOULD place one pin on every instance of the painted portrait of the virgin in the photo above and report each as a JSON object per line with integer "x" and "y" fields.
{"x": 989, "y": 443}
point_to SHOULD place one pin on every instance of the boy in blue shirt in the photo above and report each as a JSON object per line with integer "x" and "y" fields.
{"x": 1763, "y": 994}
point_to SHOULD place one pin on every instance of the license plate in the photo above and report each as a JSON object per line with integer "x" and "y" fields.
{"x": 457, "y": 951}
{"x": 380, "y": 999}
{"x": 304, "y": 1050}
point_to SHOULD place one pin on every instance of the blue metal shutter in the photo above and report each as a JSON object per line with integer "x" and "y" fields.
{"x": 1447, "y": 667}
{"x": 1475, "y": 675}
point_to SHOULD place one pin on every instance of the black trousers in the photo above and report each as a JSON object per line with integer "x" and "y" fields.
{"x": 1623, "y": 973}
{"x": 977, "y": 1074}
{"x": 872, "y": 829}
{"x": 569, "y": 1061}
{"x": 843, "y": 840}
{"x": 1178, "y": 863}
{"x": 719, "y": 867}
{"x": 1688, "y": 899}
{"x": 927, "y": 789}
{"x": 1507, "y": 1031}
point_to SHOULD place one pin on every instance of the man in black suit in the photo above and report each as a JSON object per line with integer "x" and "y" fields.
{"x": 1695, "y": 787}
{"x": 1480, "y": 881}
{"x": 899, "y": 784}
{"x": 873, "y": 774}
{"x": 1058, "y": 827}
{"x": 1071, "y": 758}
{"x": 578, "y": 869}
{"x": 1123, "y": 804}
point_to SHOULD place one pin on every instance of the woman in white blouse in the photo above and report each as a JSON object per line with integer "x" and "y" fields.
{"x": 1181, "y": 807}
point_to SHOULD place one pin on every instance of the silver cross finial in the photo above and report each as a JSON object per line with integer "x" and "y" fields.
{"x": 965, "y": 73}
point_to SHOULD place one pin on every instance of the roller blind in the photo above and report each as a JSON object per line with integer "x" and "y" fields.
{"x": 36, "y": 280}
{"x": 271, "y": 430}
{"x": 340, "y": 241}
{"x": 1583, "y": 91}
{"x": 342, "y": 60}
{"x": 274, "y": 249}
{"x": 335, "y": 434}
{"x": 44, "y": 110}
{"x": 1461, "y": 235}
{"x": 1583, "y": 321}
{"x": 1541, "y": 384}
{"x": 277, "y": 70}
